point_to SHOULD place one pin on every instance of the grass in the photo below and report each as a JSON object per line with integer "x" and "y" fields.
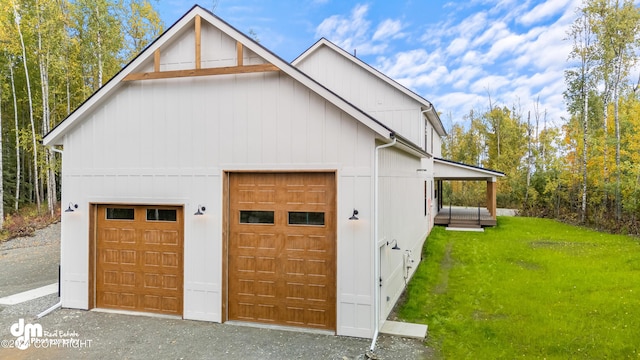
{"x": 528, "y": 288}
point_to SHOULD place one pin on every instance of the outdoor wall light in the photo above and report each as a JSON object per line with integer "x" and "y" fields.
{"x": 395, "y": 247}
{"x": 354, "y": 216}
{"x": 71, "y": 207}
{"x": 201, "y": 210}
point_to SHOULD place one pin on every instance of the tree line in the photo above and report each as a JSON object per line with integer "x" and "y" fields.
{"x": 588, "y": 170}
{"x": 55, "y": 53}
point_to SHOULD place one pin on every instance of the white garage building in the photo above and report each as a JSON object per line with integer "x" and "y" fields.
{"x": 212, "y": 180}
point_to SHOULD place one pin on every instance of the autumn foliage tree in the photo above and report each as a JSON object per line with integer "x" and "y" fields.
{"x": 54, "y": 55}
{"x": 587, "y": 170}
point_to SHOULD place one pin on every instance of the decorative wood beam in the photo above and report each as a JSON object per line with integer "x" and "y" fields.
{"x": 156, "y": 60}
{"x": 198, "y": 43}
{"x": 240, "y": 53}
{"x": 202, "y": 72}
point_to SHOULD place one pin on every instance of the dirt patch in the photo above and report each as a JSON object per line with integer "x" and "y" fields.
{"x": 445, "y": 265}
{"x": 527, "y": 265}
{"x": 558, "y": 244}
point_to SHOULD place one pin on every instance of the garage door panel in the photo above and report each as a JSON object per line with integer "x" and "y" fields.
{"x": 266, "y": 289}
{"x": 283, "y": 272}
{"x": 161, "y": 237}
{"x": 244, "y": 264}
{"x": 266, "y": 265}
{"x": 170, "y": 259}
{"x": 118, "y": 235}
{"x": 252, "y": 241}
{"x": 139, "y": 263}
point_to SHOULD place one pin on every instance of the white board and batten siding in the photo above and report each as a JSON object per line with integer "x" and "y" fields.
{"x": 366, "y": 91}
{"x": 402, "y": 221}
{"x": 169, "y": 141}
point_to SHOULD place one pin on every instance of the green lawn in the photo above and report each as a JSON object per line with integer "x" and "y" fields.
{"x": 528, "y": 288}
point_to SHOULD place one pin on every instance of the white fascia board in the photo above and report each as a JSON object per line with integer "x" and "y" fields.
{"x": 457, "y": 171}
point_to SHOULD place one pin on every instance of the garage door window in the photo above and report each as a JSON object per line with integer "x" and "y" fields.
{"x": 120, "y": 214}
{"x": 161, "y": 215}
{"x": 256, "y": 217}
{"x": 306, "y": 218}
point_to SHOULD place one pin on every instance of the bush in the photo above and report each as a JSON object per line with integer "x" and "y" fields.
{"x": 26, "y": 221}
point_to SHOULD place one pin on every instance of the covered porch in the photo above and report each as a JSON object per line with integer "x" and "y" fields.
{"x": 460, "y": 216}
{"x": 457, "y": 216}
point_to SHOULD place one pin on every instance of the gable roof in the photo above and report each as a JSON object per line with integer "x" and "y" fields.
{"x": 55, "y": 136}
{"x": 426, "y": 104}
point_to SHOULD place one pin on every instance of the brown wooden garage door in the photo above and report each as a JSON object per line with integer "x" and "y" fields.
{"x": 282, "y": 260}
{"x": 139, "y": 258}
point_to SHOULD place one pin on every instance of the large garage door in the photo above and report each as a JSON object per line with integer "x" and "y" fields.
{"x": 282, "y": 266}
{"x": 139, "y": 260}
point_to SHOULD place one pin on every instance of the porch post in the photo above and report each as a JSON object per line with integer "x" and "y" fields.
{"x": 491, "y": 197}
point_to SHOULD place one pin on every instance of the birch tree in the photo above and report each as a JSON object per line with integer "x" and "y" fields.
{"x": 580, "y": 82}
{"x": 17, "y": 134}
{"x": 617, "y": 26}
{"x": 36, "y": 177}
{"x": 1, "y": 166}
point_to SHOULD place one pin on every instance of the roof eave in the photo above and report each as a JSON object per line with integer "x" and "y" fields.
{"x": 485, "y": 173}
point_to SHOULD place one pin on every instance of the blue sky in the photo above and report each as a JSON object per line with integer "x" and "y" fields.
{"x": 460, "y": 55}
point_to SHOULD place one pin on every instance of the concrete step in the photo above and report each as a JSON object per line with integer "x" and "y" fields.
{"x": 459, "y": 224}
{"x": 408, "y": 330}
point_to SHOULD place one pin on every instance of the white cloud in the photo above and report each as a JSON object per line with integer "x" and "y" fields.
{"x": 544, "y": 11}
{"x": 355, "y": 32}
{"x": 489, "y": 84}
{"x": 350, "y": 33}
{"x": 457, "y": 46}
{"x": 342, "y": 29}
{"x": 388, "y": 29}
{"x": 410, "y": 63}
{"x": 461, "y": 77}
{"x": 495, "y": 32}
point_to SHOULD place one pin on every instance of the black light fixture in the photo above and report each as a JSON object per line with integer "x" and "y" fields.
{"x": 395, "y": 247}
{"x": 201, "y": 210}
{"x": 354, "y": 216}
{"x": 71, "y": 207}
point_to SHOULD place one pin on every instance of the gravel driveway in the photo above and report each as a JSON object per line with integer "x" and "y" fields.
{"x": 73, "y": 334}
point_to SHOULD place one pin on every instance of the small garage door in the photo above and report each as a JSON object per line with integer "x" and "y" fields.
{"x": 139, "y": 258}
{"x": 282, "y": 266}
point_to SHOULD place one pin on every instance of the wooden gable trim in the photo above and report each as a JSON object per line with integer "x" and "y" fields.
{"x": 198, "y": 43}
{"x": 240, "y": 68}
{"x": 240, "y": 53}
{"x": 156, "y": 60}
{"x": 227, "y": 70}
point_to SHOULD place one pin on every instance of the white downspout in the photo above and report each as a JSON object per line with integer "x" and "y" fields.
{"x": 376, "y": 250}
{"x": 424, "y": 112}
{"x": 46, "y": 312}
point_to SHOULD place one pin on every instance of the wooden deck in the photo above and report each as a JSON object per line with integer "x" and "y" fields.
{"x": 464, "y": 217}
